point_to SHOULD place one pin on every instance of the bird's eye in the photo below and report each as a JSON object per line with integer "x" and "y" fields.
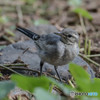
{"x": 69, "y": 35}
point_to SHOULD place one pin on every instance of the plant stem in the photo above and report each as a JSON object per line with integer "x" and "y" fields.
{"x": 15, "y": 64}
{"x": 84, "y": 31}
{"x": 82, "y": 24}
{"x": 10, "y": 69}
{"x": 85, "y": 46}
{"x": 69, "y": 81}
{"x": 95, "y": 55}
{"x": 8, "y": 39}
{"x": 51, "y": 87}
{"x": 89, "y": 46}
{"x": 20, "y": 68}
{"x": 85, "y": 57}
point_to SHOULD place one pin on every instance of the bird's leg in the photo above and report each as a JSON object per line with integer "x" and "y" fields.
{"x": 57, "y": 72}
{"x": 41, "y": 66}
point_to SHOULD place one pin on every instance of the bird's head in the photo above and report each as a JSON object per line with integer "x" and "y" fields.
{"x": 68, "y": 36}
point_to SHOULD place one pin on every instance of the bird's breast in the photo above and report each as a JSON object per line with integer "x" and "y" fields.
{"x": 66, "y": 54}
{"x": 62, "y": 55}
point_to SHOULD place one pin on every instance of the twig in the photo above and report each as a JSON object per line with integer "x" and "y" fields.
{"x": 89, "y": 46}
{"x": 20, "y": 68}
{"x": 84, "y": 31}
{"x": 85, "y": 46}
{"x": 19, "y": 57}
{"x": 96, "y": 49}
{"x": 14, "y": 65}
{"x": 69, "y": 81}
{"x": 20, "y": 14}
{"x": 82, "y": 24}
{"x": 53, "y": 77}
{"x": 51, "y": 87}
{"x": 85, "y": 57}
{"x": 3, "y": 42}
{"x": 10, "y": 3}
{"x": 36, "y": 72}
{"x": 10, "y": 69}
{"x": 60, "y": 91}
{"x": 8, "y": 39}
{"x": 25, "y": 50}
{"x": 95, "y": 55}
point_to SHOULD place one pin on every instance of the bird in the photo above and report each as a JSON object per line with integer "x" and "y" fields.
{"x": 57, "y": 49}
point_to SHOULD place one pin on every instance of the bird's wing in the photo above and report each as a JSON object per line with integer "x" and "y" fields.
{"x": 47, "y": 42}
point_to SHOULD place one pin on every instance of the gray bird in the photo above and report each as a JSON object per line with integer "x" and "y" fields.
{"x": 58, "y": 48}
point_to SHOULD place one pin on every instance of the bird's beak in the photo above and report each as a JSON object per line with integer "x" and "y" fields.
{"x": 58, "y": 33}
{"x": 77, "y": 38}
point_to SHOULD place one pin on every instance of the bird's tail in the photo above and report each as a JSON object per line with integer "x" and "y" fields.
{"x": 28, "y": 33}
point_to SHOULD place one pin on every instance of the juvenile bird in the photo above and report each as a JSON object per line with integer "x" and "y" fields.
{"x": 58, "y": 48}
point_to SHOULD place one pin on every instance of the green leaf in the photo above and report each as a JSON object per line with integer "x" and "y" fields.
{"x": 90, "y": 98}
{"x": 40, "y": 21}
{"x": 75, "y": 3}
{"x": 5, "y": 98}
{"x": 3, "y": 19}
{"x": 30, "y": 2}
{"x": 83, "y": 81}
{"x": 30, "y": 83}
{"x": 5, "y": 87}
{"x": 42, "y": 94}
{"x": 78, "y": 72}
{"x": 95, "y": 86}
{"x": 83, "y": 13}
{"x": 1, "y": 75}
{"x": 81, "y": 77}
{"x": 9, "y": 32}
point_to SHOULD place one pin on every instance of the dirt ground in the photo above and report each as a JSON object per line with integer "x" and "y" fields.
{"x": 58, "y": 13}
